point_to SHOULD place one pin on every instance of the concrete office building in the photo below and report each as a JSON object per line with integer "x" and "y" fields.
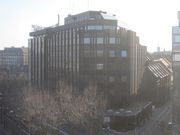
{"x": 89, "y": 47}
{"x": 176, "y": 75}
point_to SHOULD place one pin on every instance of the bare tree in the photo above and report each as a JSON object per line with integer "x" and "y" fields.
{"x": 82, "y": 111}
{"x": 41, "y": 109}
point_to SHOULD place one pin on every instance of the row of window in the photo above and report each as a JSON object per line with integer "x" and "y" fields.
{"x": 70, "y": 50}
{"x": 123, "y": 78}
{"x": 112, "y": 53}
{"x": 176, "y": 34}
{"x": 176, "y": 44}
{"x": 111, "y": 78}
{"x": 99, "y": 40}
{"x": 101, "y": 27}
{"x": 13, "y": 57}
{"x": 12, "y": 54}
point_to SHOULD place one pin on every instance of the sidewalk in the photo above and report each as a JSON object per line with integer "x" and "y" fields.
{"x": 2, "y": 131}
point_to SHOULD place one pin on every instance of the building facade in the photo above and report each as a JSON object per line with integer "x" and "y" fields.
{"x": 176, "y": 77}
{"x": 12, "y": 57}
{"x": 88, "y": 48}
{"x": 156, "y": 83}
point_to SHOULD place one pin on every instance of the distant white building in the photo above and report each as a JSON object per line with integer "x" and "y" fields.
{"x": 158, "y": 49}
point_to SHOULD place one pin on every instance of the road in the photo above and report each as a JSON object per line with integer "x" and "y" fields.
{"x": 151, "y": 126}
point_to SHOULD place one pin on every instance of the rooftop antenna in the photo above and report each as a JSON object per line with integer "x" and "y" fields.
{"x": 70, "y": 7}
{"x": 73, "y": 6}
{"x": 88, "y": 5}
{"x": 58, "y": 20}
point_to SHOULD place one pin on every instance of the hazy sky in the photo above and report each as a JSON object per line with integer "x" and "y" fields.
{"x": 151, "y": 19}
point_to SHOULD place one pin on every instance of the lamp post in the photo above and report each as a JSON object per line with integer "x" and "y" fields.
{"x": 1, "y": 108}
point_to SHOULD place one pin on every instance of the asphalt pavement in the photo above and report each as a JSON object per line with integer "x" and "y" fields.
{"x": 157, "y": 124}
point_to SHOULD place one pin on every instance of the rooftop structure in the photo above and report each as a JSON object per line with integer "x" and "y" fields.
{"x": 128, "y": 118}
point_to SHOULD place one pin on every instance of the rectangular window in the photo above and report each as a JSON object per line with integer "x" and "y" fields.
{"x": 111, "y": 53}
{"x": 106, "y": 27}
{"x": 123, "y": 53}
{"x": 176, "y": 57}
{"x": 177, "y": 38}
{"x": 86, "y": 40}
{"x": 176, "y": 48}
{"x": 123, "y": 78}
{"x": 94, "y": 27}
{"x": 100, "y": 40}
{"x": 118, "y": 40}
{"x": 99, "y": 53}
{"x": 176, "y": 30}
{"x": 112, "y": 40}
{"x": 111, "y": 79}
{"x": 99, "y": 66}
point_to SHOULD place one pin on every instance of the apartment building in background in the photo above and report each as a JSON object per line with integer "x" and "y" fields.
{"x": 12, "y": 57}
{"x": 89, "y": 48}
